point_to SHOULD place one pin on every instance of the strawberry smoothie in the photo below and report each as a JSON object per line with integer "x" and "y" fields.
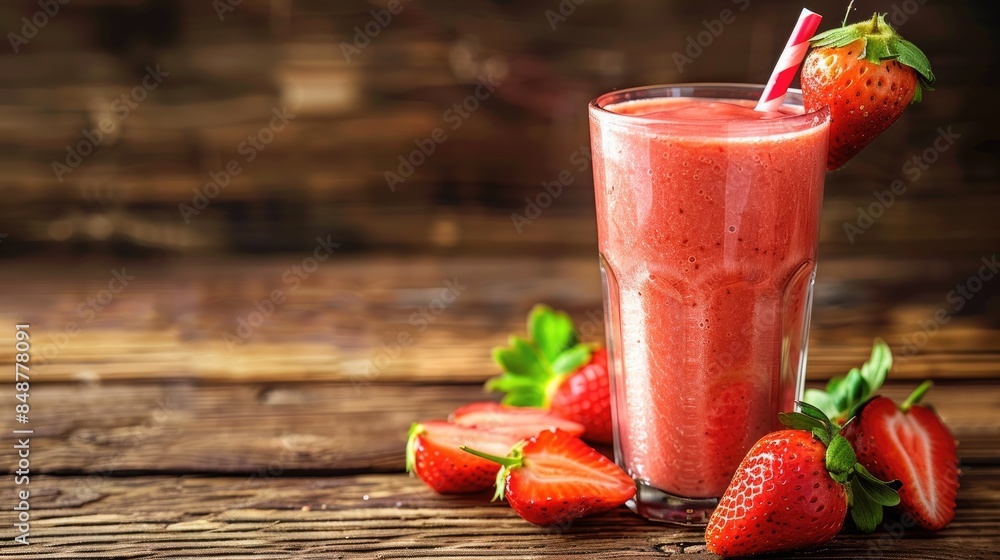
{"x": 708, "y": 218}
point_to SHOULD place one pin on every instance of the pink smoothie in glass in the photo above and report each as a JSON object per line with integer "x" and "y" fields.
{"x": 708, "y": 217}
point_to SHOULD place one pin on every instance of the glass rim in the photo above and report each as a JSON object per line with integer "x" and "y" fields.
{"x": 805, "y": 120}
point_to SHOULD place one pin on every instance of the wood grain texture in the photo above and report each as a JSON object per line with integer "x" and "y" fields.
{"x": 394, "y": 516}
{"x": 157, "y": 439}
{"x": 118, "y": 428}
{"x": 345, "y": 319}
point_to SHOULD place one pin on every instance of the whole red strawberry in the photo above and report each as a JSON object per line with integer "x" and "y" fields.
{"x": 793, "y": 489}
{"x": 910, "y": 443}
{"x": 433, "y": 452}
{"x": 553, "y": 370}
{"x": 585, "y": 396}
{"x": 867, "y": 74}
{"x": 554, "y": 478}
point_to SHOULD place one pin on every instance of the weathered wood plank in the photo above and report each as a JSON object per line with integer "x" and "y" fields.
{"x": 393, "y": 516}
{"x": 368, "y": 215}
{"x": 118, "y": 428}
{"x": 344, "y": 320}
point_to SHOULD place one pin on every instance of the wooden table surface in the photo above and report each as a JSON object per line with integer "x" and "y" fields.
{"x": 156, "y": 436}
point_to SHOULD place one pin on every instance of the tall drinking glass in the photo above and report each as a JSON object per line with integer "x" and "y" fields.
{"x": 708, "y": 222}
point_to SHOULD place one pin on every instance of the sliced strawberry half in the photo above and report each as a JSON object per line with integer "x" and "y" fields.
{"x": 433, "y": 452}
{"x": 910, "y": 443}
{"x": 523, "y": 422}
{"x": 555, "y": 477}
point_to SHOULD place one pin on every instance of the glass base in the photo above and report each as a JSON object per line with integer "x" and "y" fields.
{"x": 657, "y": 505}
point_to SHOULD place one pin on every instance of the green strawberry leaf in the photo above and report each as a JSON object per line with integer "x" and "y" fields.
{"x": 521, "y": 391}
{"x": 875, "y": 370}
{"x": 913, "y": 57}
{"x": 810, "y": 419}
{"x": 884, "y": 493}
{"x": 865, "y": 511}
{"x": 839, "y": 37}
{"x": 799, "y": 421}
{"x": 813, "y": 412}
{"x": 533, "y": 369}
{"x": 822, "y": 434}
{"x": 844, "y": 395}
{"x": 821, "y": 400}
{"x": 853, "y": 389}
{"x": 867, "y": 496}
{"x": 521, "y": 357}
{"x": 833, "y": 385}
{"x": 551, "y": 331}
{"x": 572, "y": 359}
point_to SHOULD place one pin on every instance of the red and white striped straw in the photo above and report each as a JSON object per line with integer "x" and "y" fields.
{"x": 788, "y": 63}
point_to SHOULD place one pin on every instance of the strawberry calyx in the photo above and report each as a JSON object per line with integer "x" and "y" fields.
{"x": 411, "y": 446}
{"x": 866, "y": 494}
{"x": 880, "y": 42}
{"x": 534, "y": 368}
{"x": 513, "y": 460}
{"x": 845, "y": 395}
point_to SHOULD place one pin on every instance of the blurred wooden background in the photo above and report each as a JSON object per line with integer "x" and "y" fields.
{"x": 358, "y": 107}
{"x": 325, "y": 173}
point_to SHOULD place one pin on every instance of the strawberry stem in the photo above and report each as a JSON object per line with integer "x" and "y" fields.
{"x": 848, "y": 14}
{"x": 515, "y": 459}
{"x": 916, "y": 395}
{"x": 507, "y": 462}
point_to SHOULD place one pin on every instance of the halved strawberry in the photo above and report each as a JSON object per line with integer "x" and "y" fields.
{"x": 520, "y": 421}
{"x": 867, "y": 74}
{"x": 553, "y": 370}
{"x": 910, "y": 443}
{"x": 555, "y": 477}
{"x": 433, "y": 452}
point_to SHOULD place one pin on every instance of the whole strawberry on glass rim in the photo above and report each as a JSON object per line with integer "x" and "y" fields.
{"x": 553, "y": 370}
{"x": 867, "y": 74}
